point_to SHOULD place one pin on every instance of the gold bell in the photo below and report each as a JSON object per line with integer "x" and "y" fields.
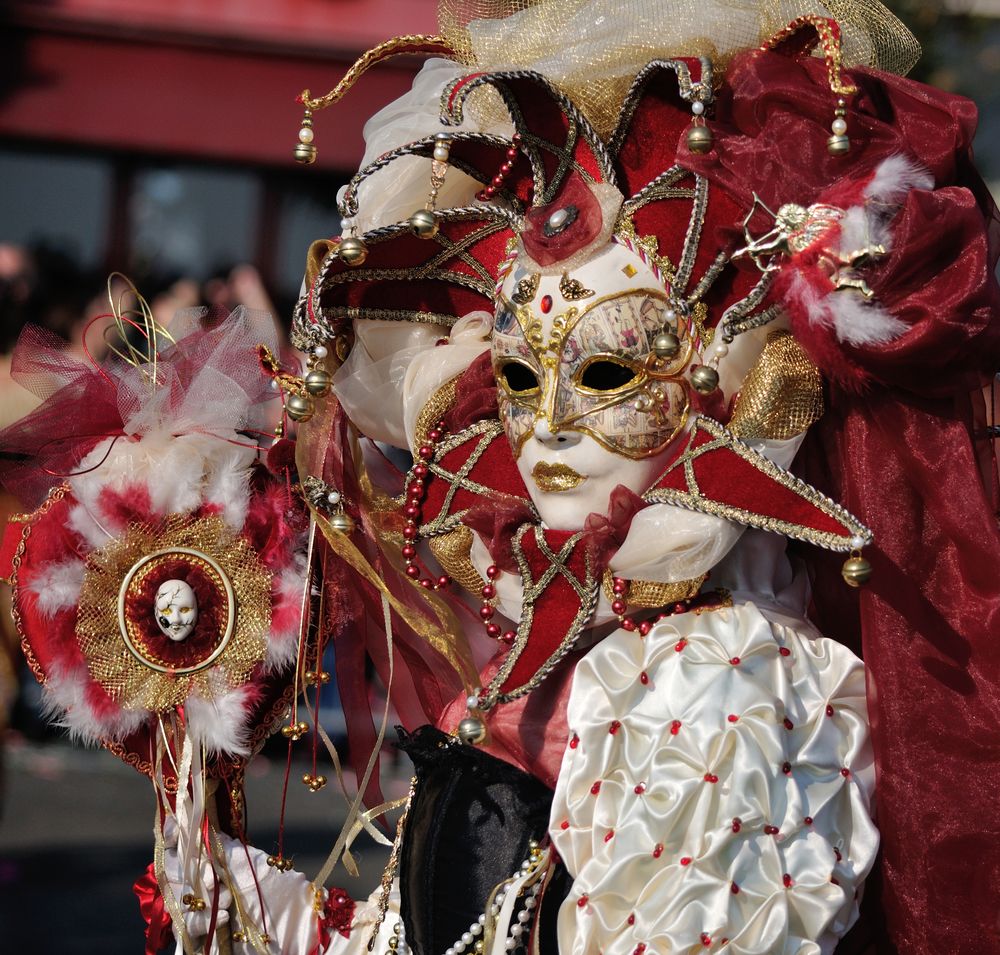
{"x": 472, "y": 731}
{"x": 666, "y": 345}
{"x": 857, "y": 571}
{"x": 305, "y": 151}
{"x": 352, "y": 251}
{"x": 838, "y": 145}
{"x": 700, "y": 139}
{"x": 423, "y": 224}
{"x": 318, "y": 782}
{"x": 342, "y": 523}
{"x": 300, "y": 407}
{"x": 318, "y": 382}
{"x": 704, "y": 379}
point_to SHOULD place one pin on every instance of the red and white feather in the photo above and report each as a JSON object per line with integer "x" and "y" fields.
{"x": 804, "y": 282}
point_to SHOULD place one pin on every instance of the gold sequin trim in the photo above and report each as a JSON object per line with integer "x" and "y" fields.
{"x": 434, "y": 410}
{"x": 646, "y": 594}
{"x": 452, "y": 552}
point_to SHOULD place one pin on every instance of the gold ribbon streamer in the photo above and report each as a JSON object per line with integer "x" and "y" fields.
{"x": 454, "y": 651}
{"x": 364, "y": 819}
{"x": 352, "y": 814}
{"x": 159, "y": 850}
{"x": 445, "y": 633}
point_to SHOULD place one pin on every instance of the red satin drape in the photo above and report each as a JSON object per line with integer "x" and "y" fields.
{"x": 899, "y": 447}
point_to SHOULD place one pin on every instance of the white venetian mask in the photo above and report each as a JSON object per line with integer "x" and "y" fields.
{"x": 176, "y": 609}
{"x": 586, "y": 402}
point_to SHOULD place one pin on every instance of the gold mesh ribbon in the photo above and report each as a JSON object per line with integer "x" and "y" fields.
{"x": 781, "y": 396}
{"x": 452, "y": 552}
{"x": 649, "y": 593}
{"x": 592, "y": 49}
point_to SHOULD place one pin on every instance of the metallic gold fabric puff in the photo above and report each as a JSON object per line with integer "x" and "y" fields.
{"x": 781, "y": 396}
{"x": 592, "y": 49}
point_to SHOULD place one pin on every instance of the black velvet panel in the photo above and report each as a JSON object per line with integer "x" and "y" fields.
{"x": 468, "y": 829}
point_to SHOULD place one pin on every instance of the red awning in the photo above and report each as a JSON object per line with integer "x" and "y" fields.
{"x": 207, "y": 79}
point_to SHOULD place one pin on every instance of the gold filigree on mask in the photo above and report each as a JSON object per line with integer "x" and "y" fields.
{"x": 602, "y": 379}
{"x": 526, "y": 289}
{"x": 573, "y": 290}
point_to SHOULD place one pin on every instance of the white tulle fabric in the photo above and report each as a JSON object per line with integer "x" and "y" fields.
{"x": 392, "y": 194}
{"x": 395, "y": 367}
{"x": 669, "y": 787}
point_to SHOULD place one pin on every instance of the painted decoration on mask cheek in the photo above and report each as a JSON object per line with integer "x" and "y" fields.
{"x": 176, "y": 609}
{"x": 517, "y": 409}
{"x": 604, "y": 387}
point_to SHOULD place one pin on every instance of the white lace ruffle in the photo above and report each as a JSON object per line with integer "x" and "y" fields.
{"x": 717, "y": 786}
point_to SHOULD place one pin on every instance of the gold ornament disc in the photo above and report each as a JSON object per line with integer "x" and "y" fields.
{"x": 139, "y": 667}
{"x": 145, "y": 650}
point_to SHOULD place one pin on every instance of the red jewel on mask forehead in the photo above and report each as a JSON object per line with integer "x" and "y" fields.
{"x": 546, "y": 304}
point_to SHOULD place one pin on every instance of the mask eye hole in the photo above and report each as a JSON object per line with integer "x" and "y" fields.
{"x": 604, "y": 375}
{"x": 518, "y": 378}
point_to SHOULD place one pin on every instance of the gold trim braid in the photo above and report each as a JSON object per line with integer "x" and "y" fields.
{"x": 397, "y": 46}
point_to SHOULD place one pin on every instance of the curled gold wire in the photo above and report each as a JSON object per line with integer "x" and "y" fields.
{"x": 140, "y": 318}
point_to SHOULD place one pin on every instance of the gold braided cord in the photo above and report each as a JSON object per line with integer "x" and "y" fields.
{"x": 593, "y": 49}
{"x": 397, "y": 46}
{"x": 830, "y": 46}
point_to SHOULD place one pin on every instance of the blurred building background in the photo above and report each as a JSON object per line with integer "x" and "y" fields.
{"x": 155, "y": 137}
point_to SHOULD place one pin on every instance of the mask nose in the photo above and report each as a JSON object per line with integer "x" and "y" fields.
{"x": 555, "y": 440}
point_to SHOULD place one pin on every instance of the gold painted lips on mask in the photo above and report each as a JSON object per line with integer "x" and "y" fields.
{"x": 556, "y": 477}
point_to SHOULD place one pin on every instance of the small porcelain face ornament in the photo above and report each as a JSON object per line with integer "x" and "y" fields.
{"x": 176, "y": 609}
{"x": 587, "y": 401}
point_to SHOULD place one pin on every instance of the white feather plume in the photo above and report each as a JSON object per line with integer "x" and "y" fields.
{"x": 856, "y": 319}
{"x": 895, "y": 177}
{"x": 861, "y": 322}
{"x": 220, "y": 724}
{"x": 58, "y": 585}
{"x": 180, "y": 473}
{"x": 64, "y": 703}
